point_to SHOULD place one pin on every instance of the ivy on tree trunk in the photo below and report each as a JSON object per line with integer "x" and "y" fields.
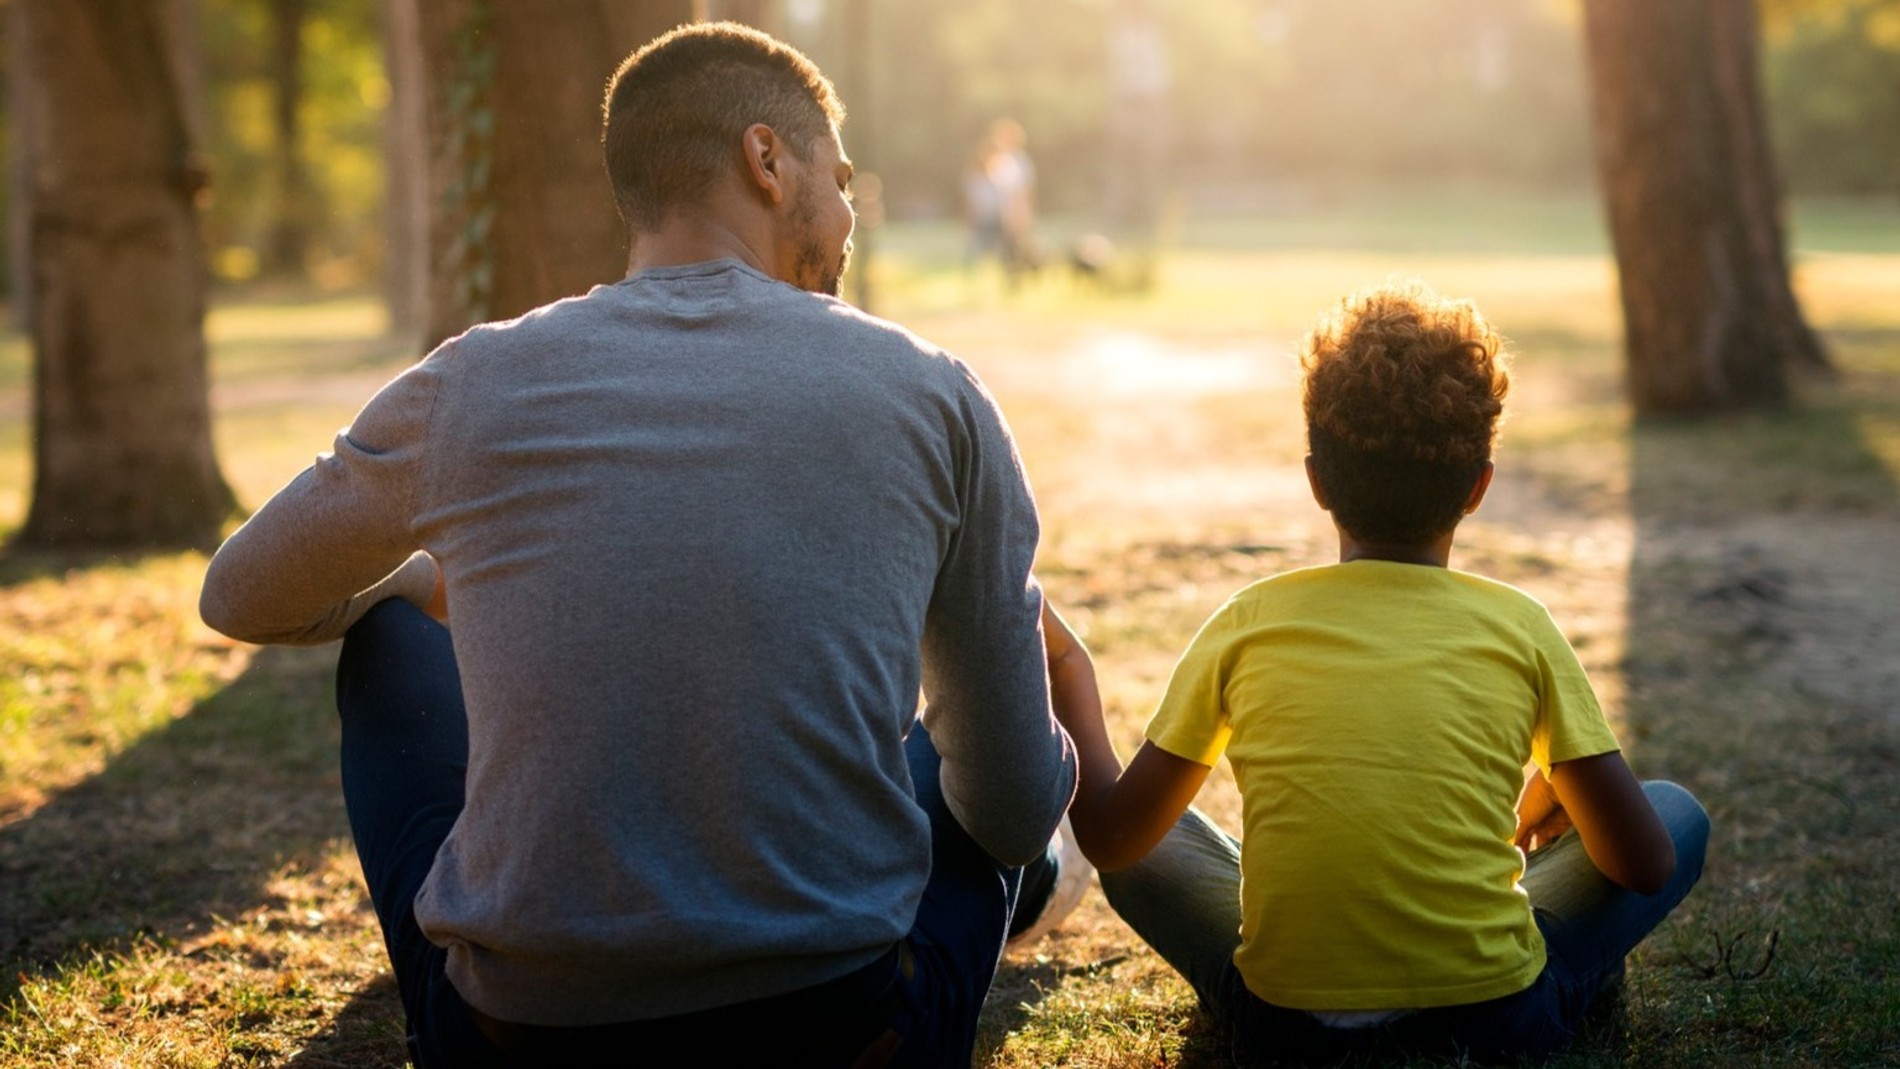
{"x": 523, "y": 213}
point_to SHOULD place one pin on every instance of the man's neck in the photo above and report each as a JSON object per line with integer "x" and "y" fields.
{"x": 695, "y": 238}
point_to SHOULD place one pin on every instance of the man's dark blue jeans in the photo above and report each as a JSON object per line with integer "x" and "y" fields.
{"x": 405, "y": 754}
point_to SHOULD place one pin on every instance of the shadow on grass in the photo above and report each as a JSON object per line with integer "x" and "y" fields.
{"x": 1018, "y": 987}
{"x": 361, "y": 1035}
{"x": 1764, "y": 616}
{"x": 183, "y": 828}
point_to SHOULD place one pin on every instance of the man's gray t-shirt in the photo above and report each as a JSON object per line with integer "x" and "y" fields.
{"x": 704, "y": 536}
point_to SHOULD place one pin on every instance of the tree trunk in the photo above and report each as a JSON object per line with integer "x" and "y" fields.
{"x": 522, "y": 210}
{"x": 1737, "y": 37}
{"x": 1708, "y": 313}
{"x": 122, "y": 425}
{"x": 406, "y": 167}
{"x": 288, "y": 245}
{"x": 19, "y": 169}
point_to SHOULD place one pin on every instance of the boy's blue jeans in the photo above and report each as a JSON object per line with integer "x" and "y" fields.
{"x": 404, "y": 759}
{"x": 1184, "y": 900}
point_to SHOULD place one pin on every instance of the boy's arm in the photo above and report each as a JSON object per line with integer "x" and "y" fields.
{"x": 1621, "y": 832}
{"x": 1586, "y": 781}
{"x": 1118, "y": 815}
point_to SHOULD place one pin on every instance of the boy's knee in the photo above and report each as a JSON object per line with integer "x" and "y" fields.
{"x": 1686, "y": 820}
{"x": 1192, "y": 856}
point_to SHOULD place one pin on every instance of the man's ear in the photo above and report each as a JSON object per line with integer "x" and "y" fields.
{"x": 1478, "y": 488}
{"x": 764, "y": 161}
{"x": 1312, "y": 480}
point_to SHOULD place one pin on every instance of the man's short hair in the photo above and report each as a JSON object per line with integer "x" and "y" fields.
{"x": 1403, "y": 394}
{"x": 677, "y": 109}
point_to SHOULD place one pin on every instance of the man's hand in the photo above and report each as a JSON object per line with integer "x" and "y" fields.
{"x": 1540, "y": 817}
{"x": 438, "y": 606}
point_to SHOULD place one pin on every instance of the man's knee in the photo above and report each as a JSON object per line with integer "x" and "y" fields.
{"x": 394, "y": 655}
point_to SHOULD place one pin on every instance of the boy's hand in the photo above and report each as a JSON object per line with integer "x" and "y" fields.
{"x": 1540, "y": 817}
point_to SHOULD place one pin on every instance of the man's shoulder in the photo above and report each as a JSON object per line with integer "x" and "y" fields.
{"x": 858, "y": 328}
{"x": 885, "y": 351}
{"x": 734, "y": 308}
{"x": 535, "y": 327}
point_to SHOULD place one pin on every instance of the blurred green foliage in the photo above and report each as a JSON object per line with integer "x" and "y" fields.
{"x": 345, "y": 94}
{"x": 1276, "y": 104}
{"x": 1833, "y": 78}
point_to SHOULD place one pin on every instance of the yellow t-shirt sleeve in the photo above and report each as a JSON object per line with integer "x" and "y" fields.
{"x": 1192, "y": 722}
{"x": 1570, "y": 723}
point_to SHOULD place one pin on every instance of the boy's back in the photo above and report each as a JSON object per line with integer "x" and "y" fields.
{"x": 1381, "y": 714}
{"x": 1377, "y": 714}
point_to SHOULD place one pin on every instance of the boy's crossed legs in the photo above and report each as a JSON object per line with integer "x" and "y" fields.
{"x": 1183, "y": 899}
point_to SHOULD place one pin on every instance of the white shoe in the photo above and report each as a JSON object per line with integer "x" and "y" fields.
{"x": 1073, "y": 875}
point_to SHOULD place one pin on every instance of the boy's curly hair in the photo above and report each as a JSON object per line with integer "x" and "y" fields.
{"x": 1403, "y": 394}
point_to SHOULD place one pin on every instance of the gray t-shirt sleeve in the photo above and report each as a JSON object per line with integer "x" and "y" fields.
{"x": 338, "y": 538}
{"x": 1008, "y": 767}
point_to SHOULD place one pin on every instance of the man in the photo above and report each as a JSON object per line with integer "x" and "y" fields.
{"x": 700, "y": 536}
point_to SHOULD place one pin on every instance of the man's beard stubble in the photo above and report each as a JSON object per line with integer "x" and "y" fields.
{"x": 817, "y": 271}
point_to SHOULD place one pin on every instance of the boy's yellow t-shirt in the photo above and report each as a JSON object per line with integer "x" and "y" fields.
{"x": 1377, "y": 717}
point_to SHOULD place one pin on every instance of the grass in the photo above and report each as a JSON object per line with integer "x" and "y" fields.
{"x": 177, "y": 886}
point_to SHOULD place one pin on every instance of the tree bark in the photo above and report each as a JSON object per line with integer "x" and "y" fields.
{"x": 122, "y": 425}
{"x": 522, "y": 211}
{"x": 1737, "y": 38}
{"x": 1710, "y": 321}
{"x": 406, "y": 212}
{"x": 288, "y": 245}
{"x": 19, "y": 169}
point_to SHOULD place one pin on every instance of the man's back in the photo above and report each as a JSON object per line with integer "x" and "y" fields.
{"x": 696, "y": 528}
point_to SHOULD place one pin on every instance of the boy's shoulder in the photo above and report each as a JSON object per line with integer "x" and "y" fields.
{"x": 1380, "y": 582}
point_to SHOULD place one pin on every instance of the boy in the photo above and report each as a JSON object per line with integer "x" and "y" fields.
{"x": 1378, "y": 714}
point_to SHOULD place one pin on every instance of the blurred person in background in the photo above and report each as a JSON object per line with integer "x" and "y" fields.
{"x": 999, "y": 190}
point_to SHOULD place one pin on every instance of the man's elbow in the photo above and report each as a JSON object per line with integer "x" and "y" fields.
{"x": 223, "y": 609}
{"x": 1018, "y": 852}
{"x": 219, "y": 611}
{"x": 1007, "y": 833}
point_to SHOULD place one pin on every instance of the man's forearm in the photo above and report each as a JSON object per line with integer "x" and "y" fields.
{"x": 230, "y": 608}
{"x": 339, "y": 537}
{"x": 314, "y": 559}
